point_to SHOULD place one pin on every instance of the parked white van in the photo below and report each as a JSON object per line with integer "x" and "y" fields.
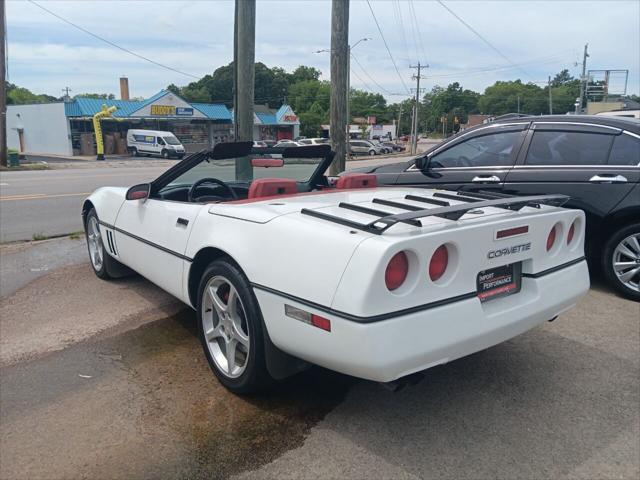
{"x": 154, "y": 142}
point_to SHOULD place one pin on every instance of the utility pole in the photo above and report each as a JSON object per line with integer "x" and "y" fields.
{"x": 66, "y": 91}
{"x": 583, "y": 79}
{"x": 399, "y": 118}
{"x": 414, "y": 123}
{"x": 518, "y": 103}
{"x": 550, "y": 100}
{"x": 244, "y": 68}
{"x": 339, "y": 80}
{"x": 3, "y": 88}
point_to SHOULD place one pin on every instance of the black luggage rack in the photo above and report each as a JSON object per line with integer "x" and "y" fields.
{"x": 443, "y": 209}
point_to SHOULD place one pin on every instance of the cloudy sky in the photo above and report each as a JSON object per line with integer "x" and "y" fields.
{"x": 533, "y": 39}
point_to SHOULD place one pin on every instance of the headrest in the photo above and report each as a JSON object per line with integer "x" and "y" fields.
{"x": 271, "y": 187}
{"x": 357, "y": 180}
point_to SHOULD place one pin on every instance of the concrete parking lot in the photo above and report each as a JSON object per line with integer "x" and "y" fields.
{"x": 108, "y": 380}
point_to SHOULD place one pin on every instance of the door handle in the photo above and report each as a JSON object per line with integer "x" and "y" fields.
{"x": 182, "y": 221}
{"x": 490, "y": 179}
{"x": 608, "y": 178}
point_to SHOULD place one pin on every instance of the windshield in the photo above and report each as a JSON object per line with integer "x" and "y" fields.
{"x": 241, "y": 170}
{"x": 171, "y": 140}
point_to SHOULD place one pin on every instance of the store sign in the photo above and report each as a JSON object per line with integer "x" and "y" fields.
{"x": 376, "y": 127}
{"x": 184, "y": 111}
{"x": 164, "y": 110}
{"x": 290, "y": 118}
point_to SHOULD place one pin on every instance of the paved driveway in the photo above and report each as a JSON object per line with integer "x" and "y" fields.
{"x": 108, "y": 380}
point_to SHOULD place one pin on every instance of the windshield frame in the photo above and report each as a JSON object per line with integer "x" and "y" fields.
{"x": 230, "y": 150}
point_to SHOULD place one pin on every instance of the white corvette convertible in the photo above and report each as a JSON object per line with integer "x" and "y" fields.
{"x": 377, "y": 283}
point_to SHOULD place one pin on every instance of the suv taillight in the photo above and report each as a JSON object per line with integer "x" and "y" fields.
{"x": 397, "y": 270}
{"x": 438, "y": 263}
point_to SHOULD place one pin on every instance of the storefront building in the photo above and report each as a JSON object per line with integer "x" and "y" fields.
{"x": 65, "y": 128}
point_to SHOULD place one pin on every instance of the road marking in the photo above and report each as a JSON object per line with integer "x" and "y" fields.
{"x": 4, "y": 184}
{"x": 40, "y": 196}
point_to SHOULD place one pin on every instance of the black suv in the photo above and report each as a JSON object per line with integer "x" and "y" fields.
{"x": 593, "y": 159}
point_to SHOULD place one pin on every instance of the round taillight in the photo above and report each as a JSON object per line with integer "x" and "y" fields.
{"x": 438, "y": 263}
{"x": 551, "y": 239}
{"x": 397, "y": 271}
{"x": 572, "y": 232}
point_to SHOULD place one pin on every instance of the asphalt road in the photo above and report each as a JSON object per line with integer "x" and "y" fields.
{"x": 48, "y": 202}
{"x": 108, "y": 380}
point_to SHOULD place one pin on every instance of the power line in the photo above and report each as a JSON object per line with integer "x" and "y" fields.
{"x": 477, "y": 34}
{"x": 387, "y": 47}
{"x": 109, "y": 42}
{"x": 414, "y": 17}
{"x": 397, "y": 11}
{"x": 371, "y": 78}
{"x": 542, "y": 61}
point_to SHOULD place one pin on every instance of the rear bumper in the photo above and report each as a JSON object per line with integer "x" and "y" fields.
{"x": 390, "y": 349}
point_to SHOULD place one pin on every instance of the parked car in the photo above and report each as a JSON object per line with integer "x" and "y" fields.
{"x": 395, "y": 147}
{"x": 364, "y": 147}
{"x": 259, "y": 144}
{"x": 595, "y": 160}
{"x": 286, "y": 143}
{"x": 281, "y": 279}
{"x": 270, "y": 143}
{"x": 383, "y": 148}
{"x": 313, "y": 141}
{"x": 154, "y": 142}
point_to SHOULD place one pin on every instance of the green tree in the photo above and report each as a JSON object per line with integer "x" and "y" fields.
{"x": 104, "y": 96}
{"x": 503, "y": 97}
{"x": 20, "y": 95}
{"x": 303, "y": 74}
{"x": 312, "y": 120}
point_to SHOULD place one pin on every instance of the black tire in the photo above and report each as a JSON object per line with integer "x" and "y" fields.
{"x": 372, "y": 153}
{"x": 109, "y": 268}
{"x": 609, "y": 252}
{"x": 134, "y": 152}
{"x": 165, "y": 154}
{"x": 255, "y": 376}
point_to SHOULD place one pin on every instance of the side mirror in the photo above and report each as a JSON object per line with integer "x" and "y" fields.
{"x": 139, "y": 192}
{"x": 422, "y": 163}
{"x": 267, "y": 162}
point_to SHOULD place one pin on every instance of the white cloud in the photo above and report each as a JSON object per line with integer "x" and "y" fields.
{"x": 46, "y": 54}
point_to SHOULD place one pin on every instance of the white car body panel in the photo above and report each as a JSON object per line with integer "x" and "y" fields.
{"x": 337, "y": 272}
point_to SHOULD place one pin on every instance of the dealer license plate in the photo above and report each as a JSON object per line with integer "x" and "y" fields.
{"x": 499, "y": 282}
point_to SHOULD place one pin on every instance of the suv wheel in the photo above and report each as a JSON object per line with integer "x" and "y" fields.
{"x": 621, "y": 261}
{"x": 165, "y": 154}
{"x": 134, "y": 152}
{"x": 372, "y": 152}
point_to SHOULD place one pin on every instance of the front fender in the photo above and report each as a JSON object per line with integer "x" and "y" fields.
{"x": 107, "y": 202}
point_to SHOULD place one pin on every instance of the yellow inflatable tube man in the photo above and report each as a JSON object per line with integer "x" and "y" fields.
{"x": 105, "y": 112}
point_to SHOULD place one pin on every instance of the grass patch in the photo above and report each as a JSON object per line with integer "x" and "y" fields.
{"x": 39, "y": 236}
{"x": 26, "y": 166}
{"x": 76, "y": 235}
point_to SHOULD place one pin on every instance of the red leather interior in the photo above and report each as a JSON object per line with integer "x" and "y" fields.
{"x": 357, "y": 180}
{"x": 271, "y": 187}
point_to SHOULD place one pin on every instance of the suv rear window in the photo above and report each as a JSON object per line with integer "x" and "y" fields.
{"x": 625, "y": 151}
{"x": 569, "y": 148}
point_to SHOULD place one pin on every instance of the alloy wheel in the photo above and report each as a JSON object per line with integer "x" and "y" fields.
{"x": 626, "y": 262}
{"x": 94, "y": 239}
{"x": 225, "y": 327}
